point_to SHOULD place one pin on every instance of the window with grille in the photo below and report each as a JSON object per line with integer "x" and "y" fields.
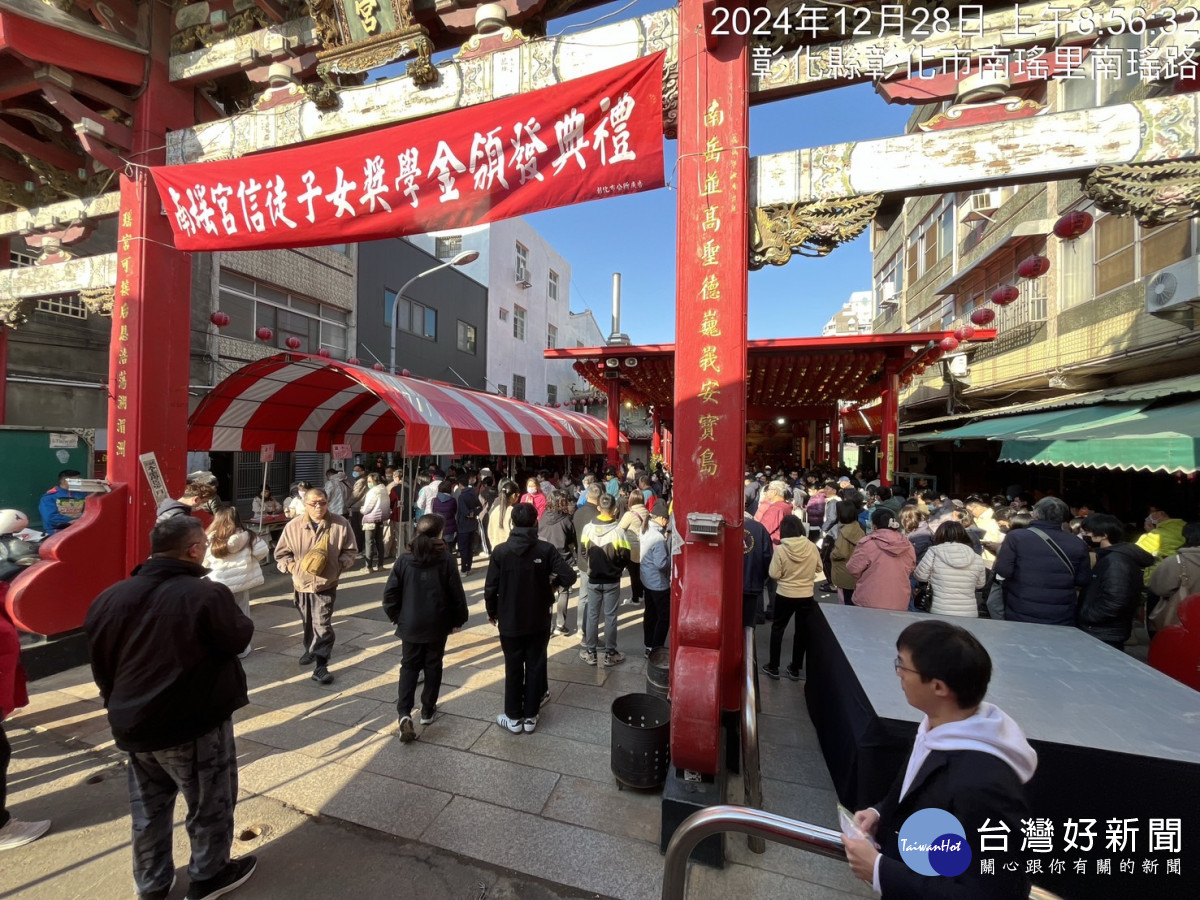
{"x": 552, "y": 286}
{"x": 551, "y": 337}
{"x": 518, "y": 389}
{"x": 68, "y": 305}
{"x": 466, "y": 337}
{"x": 522, "y": 261}
{"x": 518, "y": 323}
{"x": 502, "y": 390}
{"x": 447, "y": 247}
{"x": 552, "y": 393}
{"x": 251, "y": 305}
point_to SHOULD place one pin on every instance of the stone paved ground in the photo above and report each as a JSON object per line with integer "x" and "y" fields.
{"x": 466, "y": 808}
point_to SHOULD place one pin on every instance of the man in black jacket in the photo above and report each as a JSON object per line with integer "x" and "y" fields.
{"x": 522, "y": 577}
{"x": 1108, "y": 603}
{"x": 1043, "y": 567}
{"x": 969, "y": 760}
{"x": 164, "y": 646}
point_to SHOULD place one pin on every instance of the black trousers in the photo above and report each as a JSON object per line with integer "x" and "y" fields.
{"x": 524, "y": 673}
{"x": 356, "y": 527}
{"x": 784, "y": 608}
{"x": 656, "y": 619}
{"x": 636, "y": 591}
{"x": 466, "y": 549}
{"x": 5, "y": 756}
{"x": 415, "y": 658}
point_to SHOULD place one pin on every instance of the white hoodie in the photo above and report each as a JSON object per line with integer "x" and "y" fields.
{"x": 955, "y": 571}
{"x": 989, "y": 730}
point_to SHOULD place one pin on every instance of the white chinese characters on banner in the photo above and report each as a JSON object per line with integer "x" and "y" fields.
{"x": 333, "y": 194}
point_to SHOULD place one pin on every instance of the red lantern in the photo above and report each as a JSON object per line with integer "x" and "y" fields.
{"x": 324, "y": 351}
{"x": 378, "y": 367}
{"x": 354, "y": 361}
{"x": 906, "y": 379}
{"x": 934, "y": 355}
{"x": 964, "y": 332}
{"x": 293, "y": 343}
{"x": 220, "y": 319}
{"x": 1005, "y": 294}
{"x": 949, "y": 344}
{"x": 1033, "y": 267}
{"x": 1073, "y": 224}
{"x": 983, "y": 316}
{"x": 264, "y": 333}
{"x": 405, "y": 372}
{"x": 919, "y": 368}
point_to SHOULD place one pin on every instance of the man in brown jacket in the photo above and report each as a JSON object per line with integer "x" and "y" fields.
{"x": 314, "y": 594}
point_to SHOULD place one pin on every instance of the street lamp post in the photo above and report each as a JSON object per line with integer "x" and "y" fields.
{"x": 461, "y": 259}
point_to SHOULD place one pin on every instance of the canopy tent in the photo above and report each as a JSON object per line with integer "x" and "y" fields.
{"x": 308, "y": 403}
{"x": 1162, "y": 439}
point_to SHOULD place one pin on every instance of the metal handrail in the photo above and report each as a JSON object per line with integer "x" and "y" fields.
{"x": 752, "y": 776}
{"x": 764, "y": 825}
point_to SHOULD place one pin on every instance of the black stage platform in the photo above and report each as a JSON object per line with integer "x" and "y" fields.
{"x": 1115, "y": 739}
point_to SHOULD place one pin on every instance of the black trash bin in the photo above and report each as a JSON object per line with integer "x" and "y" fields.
{"x": 641, "y": 740}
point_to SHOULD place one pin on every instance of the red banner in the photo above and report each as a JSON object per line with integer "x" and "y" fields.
{"x": 592, "y": 137}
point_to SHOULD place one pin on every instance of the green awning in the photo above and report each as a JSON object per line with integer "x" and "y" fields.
{"x": 1040, "y": 424}
{"x": 1164, "y": 439}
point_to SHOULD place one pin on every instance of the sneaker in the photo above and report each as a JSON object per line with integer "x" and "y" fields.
{"x": 545, "y": 699}
{"x": 321, "y": 675}
{"x": 307, "y": 659}
{"x": 513, "y": 725}
{"x": 160, "y": 894}
{"x": 530, "y": 724}
{"x": 614, "y": 658}
{"x": 245, "y": 653}
{"x": 17, "y": 833}
{"x": 233, "y": 876}
{"x": 771, "y": 672}
{"x": 649, "y": 650}
{"x": 562, "y": 632}
{"x": 588, "y": 656}
{"x": 793, "y": 674}
{"x": 407, "y": 735}
{"x": 427, "y": 717}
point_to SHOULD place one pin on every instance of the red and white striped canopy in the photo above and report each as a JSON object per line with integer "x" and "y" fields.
{"x": 307, "y": 403}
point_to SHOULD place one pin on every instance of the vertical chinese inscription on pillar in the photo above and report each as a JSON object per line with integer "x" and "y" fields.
{"x": 122, "y": 322}
{"x": 712, "y": 192}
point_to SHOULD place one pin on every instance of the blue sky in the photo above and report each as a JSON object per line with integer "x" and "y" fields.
{"x": 635, "y": 235}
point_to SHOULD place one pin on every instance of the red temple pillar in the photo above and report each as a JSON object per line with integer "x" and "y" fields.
{"x": 710, "y": 385}
{"x": 889, "y": 433}
{"x": 835, "y": 449}
{"x": 655, "y": 436}
{"x": 613, "y": 450}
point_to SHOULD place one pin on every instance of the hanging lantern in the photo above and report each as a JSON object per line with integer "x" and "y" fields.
{"x": 934, "y": 355}
{"x": 1033, "y": 267}
{"x": 983, "y": 316}
{"x": 293, "y": 343}
{"x": 919, "y": 368}
{"x": 264, "y": 333}
{"x": 324, "y": 351}
{"x": 405, "y": 372}
{"x": 378, "y": 367}
{"x": 220, "y": 319}
{"x": 949, "y": 344}
{"x": 964, "y": 332}
{"x": 906, "y": 379}
{"x": 1005, "y": 294}
{"x": 1073, "y": 224}
{"x": 354, "y": 361}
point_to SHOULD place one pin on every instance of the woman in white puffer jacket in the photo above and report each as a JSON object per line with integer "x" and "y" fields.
{"x": 235, "y": 555}
{"x": 954, "y": 570}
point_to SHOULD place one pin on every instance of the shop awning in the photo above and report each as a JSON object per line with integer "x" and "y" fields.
{"x": 1163, "y": 439}
{"x": 308, "y": 403}
{"x": 1035, "y": 425}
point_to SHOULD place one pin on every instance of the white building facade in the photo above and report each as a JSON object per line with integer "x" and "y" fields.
{"x": 529, "y": 306}
{"x": 854, "y": 317}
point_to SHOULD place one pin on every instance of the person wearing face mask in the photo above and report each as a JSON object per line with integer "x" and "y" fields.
{"x": 1163, "y": 537}
{"x": 1110, "y": 599}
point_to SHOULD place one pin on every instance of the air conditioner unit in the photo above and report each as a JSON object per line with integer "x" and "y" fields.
{"x": 889, "y": 297}
{"x": 1174, "y": 292}
{"x": 958, "y": 365}
{"x": 981, "y": 205}
{"x": 523, "y": 278}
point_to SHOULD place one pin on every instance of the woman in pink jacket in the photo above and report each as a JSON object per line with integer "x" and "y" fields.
{"x": 882, "y": 562}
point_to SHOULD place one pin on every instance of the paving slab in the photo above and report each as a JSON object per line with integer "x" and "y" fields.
{"x": 566, "y": 854}
{"x": 594, "y": 804}
{"x": 545, "y": 751}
